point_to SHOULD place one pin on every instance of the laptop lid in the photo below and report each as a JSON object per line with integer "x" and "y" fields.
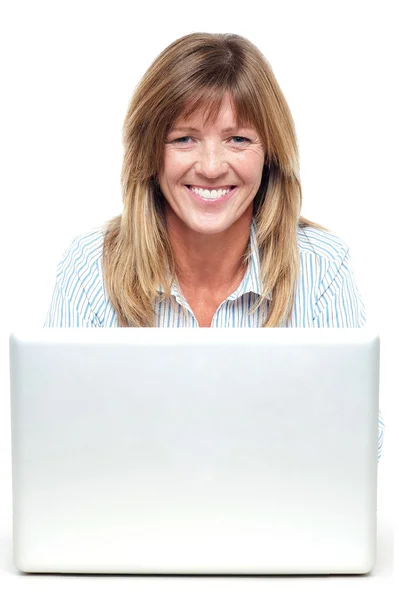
{"x": 153, "y": 450}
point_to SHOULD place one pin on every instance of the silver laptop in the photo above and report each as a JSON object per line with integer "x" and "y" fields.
{"x": 231, "y": 451}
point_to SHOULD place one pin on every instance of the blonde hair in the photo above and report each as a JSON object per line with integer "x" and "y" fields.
{"x": 194, "y": 73}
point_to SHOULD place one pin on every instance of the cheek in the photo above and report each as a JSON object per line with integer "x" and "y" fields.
{"x": 173, "y": 170}
{"x": 174, "y": 164}
{"x": 251, "y": 168}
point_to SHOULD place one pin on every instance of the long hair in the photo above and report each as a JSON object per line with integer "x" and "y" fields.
{"x": 193, "y": 74}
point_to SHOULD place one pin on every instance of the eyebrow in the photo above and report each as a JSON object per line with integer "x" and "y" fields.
{"x": 194, "y": 130}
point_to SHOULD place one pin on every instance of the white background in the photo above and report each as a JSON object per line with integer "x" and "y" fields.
{"x": 68, "y": 70}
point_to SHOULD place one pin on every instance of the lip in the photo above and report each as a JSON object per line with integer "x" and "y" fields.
{"x": 211, "y": 201}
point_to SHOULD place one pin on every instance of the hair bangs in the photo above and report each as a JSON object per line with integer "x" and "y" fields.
{"x": 207, "y": 103}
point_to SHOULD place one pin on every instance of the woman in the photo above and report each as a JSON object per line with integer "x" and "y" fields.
{"x": 211, "y": 233}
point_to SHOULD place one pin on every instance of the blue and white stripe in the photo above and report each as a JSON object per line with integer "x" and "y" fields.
{"x": 326, "y": 294}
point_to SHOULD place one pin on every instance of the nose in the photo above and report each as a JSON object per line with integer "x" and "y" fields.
{"x": 211, "y": 162}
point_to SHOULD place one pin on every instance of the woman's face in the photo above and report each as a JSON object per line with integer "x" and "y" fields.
{"x": 215, "y": 157}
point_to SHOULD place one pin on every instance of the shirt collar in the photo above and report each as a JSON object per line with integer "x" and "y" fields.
{"x": 251, "y": 280}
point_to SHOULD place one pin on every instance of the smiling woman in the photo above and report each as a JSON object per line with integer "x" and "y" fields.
{"x": 211, "y": 232}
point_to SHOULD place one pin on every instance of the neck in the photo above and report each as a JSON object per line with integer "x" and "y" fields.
{"x": 209, "y": 262}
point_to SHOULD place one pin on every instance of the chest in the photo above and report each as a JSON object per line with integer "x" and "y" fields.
{"x": 204, "y": 303}
{"x": 204, "y": 316}
{"x": 204, "y": 308}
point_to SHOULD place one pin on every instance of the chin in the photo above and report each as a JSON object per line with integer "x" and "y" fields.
{"x": 211, "y": 226}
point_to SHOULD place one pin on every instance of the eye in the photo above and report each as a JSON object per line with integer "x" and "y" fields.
{"x": 244, "y": 140}
{"x": 180, "y": 140}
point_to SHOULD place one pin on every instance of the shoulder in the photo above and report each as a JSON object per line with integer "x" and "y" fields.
{"x": 323, "y": 255}
{"x": 89, "y": 244}
{"x": 79, "y": 296}
{"x": 82, "y": 256}
{"x": 323, "y": 245}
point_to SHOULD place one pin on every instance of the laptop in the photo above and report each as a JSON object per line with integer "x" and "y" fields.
{"x": 194, "y": 450}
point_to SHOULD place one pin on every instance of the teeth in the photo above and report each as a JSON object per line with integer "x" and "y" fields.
{"x": 210, "y": 193}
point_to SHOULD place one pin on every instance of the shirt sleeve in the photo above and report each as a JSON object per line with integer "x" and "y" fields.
{"x": 75, "y": 295}
{"x": 339, "y": 304}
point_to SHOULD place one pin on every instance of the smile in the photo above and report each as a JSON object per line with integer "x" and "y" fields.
{"x": 211, "y": 193}
{"x": 215, "y": 196}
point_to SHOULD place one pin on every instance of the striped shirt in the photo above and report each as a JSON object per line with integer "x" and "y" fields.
{"x": 326, "y": 294}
